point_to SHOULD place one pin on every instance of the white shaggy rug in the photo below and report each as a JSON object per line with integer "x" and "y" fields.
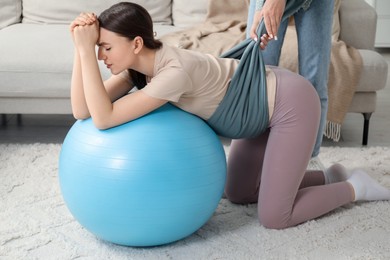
{"x": 35, "y": 223}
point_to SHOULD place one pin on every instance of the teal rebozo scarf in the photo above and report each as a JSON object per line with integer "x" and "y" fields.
{"x": 243, "y": 112}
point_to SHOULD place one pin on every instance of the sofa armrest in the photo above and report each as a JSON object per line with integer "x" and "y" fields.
{"x": 358, "y": 24}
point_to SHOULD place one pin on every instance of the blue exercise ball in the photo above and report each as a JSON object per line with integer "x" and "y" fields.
{"x": 148, "y": 182}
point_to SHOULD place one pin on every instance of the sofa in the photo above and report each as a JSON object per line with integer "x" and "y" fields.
{"x": 358, "y": 27}
{"x": 36, "y": 51}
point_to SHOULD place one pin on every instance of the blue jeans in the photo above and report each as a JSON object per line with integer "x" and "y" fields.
{"x": 314, "y": 27}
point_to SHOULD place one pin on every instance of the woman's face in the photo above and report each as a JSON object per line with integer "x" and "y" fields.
{"x": 115, "y": 51}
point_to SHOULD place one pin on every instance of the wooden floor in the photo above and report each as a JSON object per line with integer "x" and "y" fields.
{"x": 53, "y": 128}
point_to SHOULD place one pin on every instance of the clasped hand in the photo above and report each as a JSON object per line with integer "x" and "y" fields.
{"x": 85, "y": 31}
{"x": 272, "y": 13}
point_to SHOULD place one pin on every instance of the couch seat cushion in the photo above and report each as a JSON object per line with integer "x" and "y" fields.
{"x": 37, "y": 60}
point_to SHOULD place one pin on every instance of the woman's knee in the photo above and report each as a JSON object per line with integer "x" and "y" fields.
{"x": 272, "y": 219}
{"x": 239, "y": 195}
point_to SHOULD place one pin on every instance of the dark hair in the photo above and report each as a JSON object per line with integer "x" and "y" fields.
{"x": 131, "y": 20}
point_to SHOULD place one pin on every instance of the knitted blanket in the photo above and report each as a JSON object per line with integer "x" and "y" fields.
{"x": 224, "y": 27}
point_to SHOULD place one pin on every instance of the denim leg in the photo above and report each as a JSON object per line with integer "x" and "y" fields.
{"x": 271, "y": 54}
{"x": 314, "y": 28}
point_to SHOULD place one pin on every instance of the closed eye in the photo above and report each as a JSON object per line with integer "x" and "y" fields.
{"x": 106, "y": 46}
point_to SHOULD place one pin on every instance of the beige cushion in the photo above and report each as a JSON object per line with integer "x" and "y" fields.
{"x": 187, "y": 14}
{"x": 63, "y": 12}
{"x": 374, "y": 72}
{"x": 10, "y": 12}
{"x": 43, "y": 66}
{"x": 357, "y": 17}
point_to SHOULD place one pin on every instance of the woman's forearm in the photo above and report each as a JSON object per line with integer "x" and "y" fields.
{"x": 79, "y": 105}
{"x": 97, "y": 100}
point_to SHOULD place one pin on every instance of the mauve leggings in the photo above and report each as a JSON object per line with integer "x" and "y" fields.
{"x": 271, "y": 169}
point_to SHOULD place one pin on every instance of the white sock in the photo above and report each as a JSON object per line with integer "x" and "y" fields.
{"x": 366, "y": 188}
{"x": 336, "y": 173}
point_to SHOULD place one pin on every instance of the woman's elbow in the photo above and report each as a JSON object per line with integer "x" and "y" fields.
{"x": 80, "y": 115}
{"x": 98, "y": 124}
{"x": 101, "y": 124}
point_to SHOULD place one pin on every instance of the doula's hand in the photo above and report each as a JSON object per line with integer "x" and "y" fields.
{"x": 264, "y": 39}
{"x": 272, "y": 13}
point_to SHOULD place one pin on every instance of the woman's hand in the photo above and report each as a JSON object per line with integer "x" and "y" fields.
{"x": 85, "y": 30}
{"x": 86, "y": 37}
{"x": 83, "y": 19}
{"x": 272, "y": 12}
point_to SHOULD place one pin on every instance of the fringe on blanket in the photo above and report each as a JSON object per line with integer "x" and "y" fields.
{"x": 332, "y": 130}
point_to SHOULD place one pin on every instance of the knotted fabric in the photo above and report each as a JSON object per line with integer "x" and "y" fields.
{"x": 243, "y": 113}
